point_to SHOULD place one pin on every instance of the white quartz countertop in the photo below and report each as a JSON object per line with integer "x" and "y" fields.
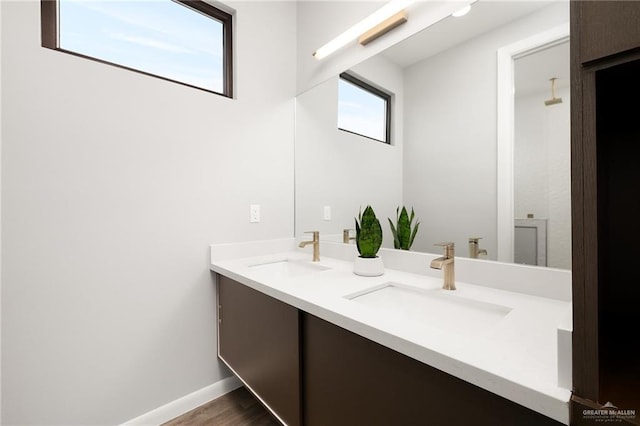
{"x": 515, "y": 357}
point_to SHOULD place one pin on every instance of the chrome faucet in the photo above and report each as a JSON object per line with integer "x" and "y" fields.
{"x": 474, "y": 247}
{"x": 316, "y": 244}
{"x": 345, "y": 236}
{"x": 446, "y": 264}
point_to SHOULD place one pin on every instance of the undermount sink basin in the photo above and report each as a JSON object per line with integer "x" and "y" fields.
{"x": 436, "y": 308}
{"x": 287, "y": 268}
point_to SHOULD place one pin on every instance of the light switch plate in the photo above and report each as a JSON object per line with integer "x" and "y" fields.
{"x": 254, "y": 213}
{"x": 327, "y": 212}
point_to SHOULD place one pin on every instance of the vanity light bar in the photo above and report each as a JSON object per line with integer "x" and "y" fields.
{"x": 368, "y": 23}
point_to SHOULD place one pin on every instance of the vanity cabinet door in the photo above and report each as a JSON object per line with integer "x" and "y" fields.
{"x": 258, "y": 338}
{"x": 350, "y": 380}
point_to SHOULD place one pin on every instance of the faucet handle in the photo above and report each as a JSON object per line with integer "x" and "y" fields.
{"x": 446, "y": 245}
{"x": 316, "y": 234}
{"x": 474, "y": 239}
{"x": 448, "y": 248}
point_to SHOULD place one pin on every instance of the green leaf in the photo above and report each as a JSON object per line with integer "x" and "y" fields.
{"x": 403, "y": 232}
{"x": 396, "y": 241}
{"x": 413, "y": 235}
{"x": 404, "y": 229}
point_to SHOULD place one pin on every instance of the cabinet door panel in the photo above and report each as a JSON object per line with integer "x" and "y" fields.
{"x": 258, "y": 337}
{"x": 350, "y": 380}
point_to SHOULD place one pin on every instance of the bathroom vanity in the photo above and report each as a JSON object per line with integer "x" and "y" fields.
{"x": 320, "y": 345}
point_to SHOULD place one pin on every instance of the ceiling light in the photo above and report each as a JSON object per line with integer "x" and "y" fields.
{"x": 361, "y": 27}
{"x": 462, "y": 11}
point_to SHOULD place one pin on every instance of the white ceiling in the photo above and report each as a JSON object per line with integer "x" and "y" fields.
{"x": 532, "y": 71}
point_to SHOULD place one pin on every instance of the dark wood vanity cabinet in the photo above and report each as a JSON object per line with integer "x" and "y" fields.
{"x": 312, "y": 372}
{"x": 258, "y": 337}
{"x": 605, "y": 139}
{"x": 350, "y": 380}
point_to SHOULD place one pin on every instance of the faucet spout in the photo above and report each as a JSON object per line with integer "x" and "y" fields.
{"x": 440, "y": 262}
{"x": 346, "y": 236}
{"x": 474, "y": 248}
{"x": 316, "y": 244}
{"x": 446, "y": 264}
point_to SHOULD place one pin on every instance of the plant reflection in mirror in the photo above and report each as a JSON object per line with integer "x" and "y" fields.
{"x": 403, "y": 235}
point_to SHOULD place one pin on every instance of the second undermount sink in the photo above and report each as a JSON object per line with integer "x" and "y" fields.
{"x": 440, "y": 309}
{"x": 287, "y": 268}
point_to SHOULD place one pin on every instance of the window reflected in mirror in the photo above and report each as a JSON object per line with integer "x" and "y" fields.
{"x": 363, "y": 109}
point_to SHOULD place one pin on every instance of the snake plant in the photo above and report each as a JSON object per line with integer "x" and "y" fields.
{"x": 403, "y": 235}
{"x": 368, "y": 233}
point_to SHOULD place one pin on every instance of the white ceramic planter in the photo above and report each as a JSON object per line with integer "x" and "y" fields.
{"x": 368, "y": 266}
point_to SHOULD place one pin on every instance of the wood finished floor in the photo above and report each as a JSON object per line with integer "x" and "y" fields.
{"x": 237, "y": 408}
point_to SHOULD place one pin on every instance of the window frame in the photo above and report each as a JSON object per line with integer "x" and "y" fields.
{"x": 49, "y": 21}
{"x": 374, "y": 91}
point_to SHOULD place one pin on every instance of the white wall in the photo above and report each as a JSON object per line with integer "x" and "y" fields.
{"x": 343, "y": 170}
{"x": 450, "y": 136}
{"x": 0, "y": 213}
{"x": 542, "y": 169}
{"x": 114, "y": 185}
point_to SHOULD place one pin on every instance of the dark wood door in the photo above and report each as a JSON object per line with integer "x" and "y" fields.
{"x": 606, "y": 28}
{"x": 618, "y": 148}
{"x": 605, "y": 69}
{"x": 258, "y": 337}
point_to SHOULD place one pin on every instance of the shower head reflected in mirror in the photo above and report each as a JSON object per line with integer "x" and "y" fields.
{"x": 553, "y": 99}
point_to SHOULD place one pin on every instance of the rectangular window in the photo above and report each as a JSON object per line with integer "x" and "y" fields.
{"x": 186, "y": 41}
{"x": 363, "y": 109}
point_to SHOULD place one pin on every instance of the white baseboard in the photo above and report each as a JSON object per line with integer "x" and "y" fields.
{"x": 185, "y": 404}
